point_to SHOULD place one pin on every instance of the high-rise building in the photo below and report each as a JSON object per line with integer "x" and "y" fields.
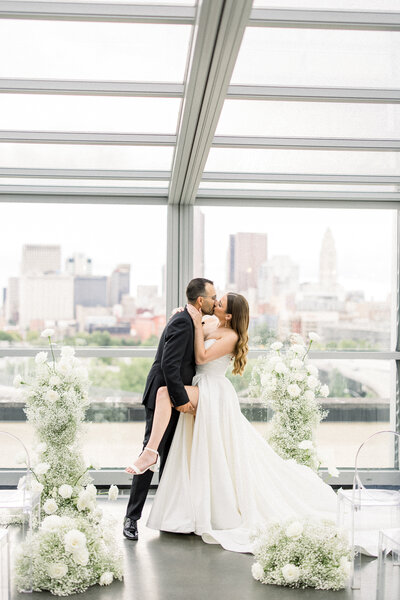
{"x": 78, "y": 264}
{"x": 328, "y": 262}
{"x": 278, "y": 278}
{"x": 90, "y": 290}
{"x": 12, "y": 301}
{"x": 198, "y": 243}
{"x": 38, "y": 259}
{"x": 119, "y": 283}
{"x": 46, "y": 298}
{"x": 246, "y": 253}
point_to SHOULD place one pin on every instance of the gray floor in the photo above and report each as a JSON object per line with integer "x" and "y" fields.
{"x": 166, "y": 566}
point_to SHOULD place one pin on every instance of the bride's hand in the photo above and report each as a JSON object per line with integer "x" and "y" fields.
{"x": 195, "y": 314}
{"x": 176, "y": 310}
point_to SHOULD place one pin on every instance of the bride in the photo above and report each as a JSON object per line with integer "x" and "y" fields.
{"x": 222, "y": 479}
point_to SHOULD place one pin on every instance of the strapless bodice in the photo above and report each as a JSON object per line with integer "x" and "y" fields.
{"x": 215, "y": 367}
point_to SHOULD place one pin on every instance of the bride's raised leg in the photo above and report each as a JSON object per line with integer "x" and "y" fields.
{"x": 162, "y": 415}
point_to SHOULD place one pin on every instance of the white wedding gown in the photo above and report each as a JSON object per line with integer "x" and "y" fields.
{"x": 222, "y": 479}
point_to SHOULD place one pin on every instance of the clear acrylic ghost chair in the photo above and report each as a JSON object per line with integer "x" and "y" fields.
{"x": 5, "y": 592}
{"x": 389, "y": 544}
{"x": 22, "y": 502}
{"x": 363, "y": 502}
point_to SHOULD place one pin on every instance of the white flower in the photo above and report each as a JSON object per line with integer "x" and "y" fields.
{"x": 51, "y": 523}
{"x": 41, "y": 358}
{"x": 84, "y": 500}
{"x": 51, "y": 396}
{"x": 345, "y": 564}
{"x": 20, "y": 458}
{"x": 94, "y": 464}
{"x": 65, "y": 490}
{"x": 314, "y": 337}
{"x": 54, "y": 380}
{"x": 295, "y": 529}
{"x": 280, "y": 367}
{"x": 309, "y": 395}
{"x": 291, "y": 573}
{"x": 92, "y": 490}
{"x": 47, "y": 333}
{"x": 18, "y": 381}
{"x": 297, "y": 349}
{"x": 57, "y": 570}
{"x": 97, "y": 515}
{"x": 36, "y": 486}
{"x": 305, "y": 445}
{"x": 296, "y": 363}
{"x": 299, "y": 376}
{"x": 67, "y": 351}
{"x": 257, "y": 571}
{"x": 276, "y": 346}
{"x": 50, "y": 506}
{"x": 324, "y": 391}
{"x": 312, "y": 369}
{"x": 272, "y": 360}
{"x": 106, "y": 578}
{"x": 295, "y": 338}
{"x": 42, "y": 447}
{"x": 293, "y": 390}
{"x": 312, "y": 382}
{"x": 81, "y": 556}
{"x": 333, "y": 472}
{"x": 74, "y": 540}
{"x": 42, "y": 468}
{"x": 113, "y": 492}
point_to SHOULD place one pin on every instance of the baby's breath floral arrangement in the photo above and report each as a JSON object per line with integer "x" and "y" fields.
{"x": 309, "y": 553}
{"x": 74, "y": 546}
{"x": 288, "y": 384}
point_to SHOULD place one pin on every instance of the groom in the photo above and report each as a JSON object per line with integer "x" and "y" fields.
{"x": 174, "y": 366}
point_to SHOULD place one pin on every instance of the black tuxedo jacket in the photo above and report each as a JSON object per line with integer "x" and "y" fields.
{"x": 174, "y": 364}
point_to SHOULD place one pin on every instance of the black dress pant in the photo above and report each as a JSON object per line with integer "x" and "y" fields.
{"x": 141, "y": 483}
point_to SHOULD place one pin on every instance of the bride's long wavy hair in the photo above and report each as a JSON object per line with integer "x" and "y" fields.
{"x": 238, "y": 307}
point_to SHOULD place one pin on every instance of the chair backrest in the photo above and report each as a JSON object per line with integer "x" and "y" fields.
{"x": 358, "y": 484}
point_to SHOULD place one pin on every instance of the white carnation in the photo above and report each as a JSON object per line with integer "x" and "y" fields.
{"x": 297, "y": 349}
{"x": 276, "y": 346}
{"x": 324, "y": 391}
{"x": 51, "y": 523}
{"x": 41, "y": 358}
{"x": 47, "y": 333}
{"x": 42, "y": 447}
{"x": 306, "y": 445}
{"x": 294, "y": 530}
{"x": 54, "y": 380}
{"x": 81, "y": 556}
{"x": 257, "y": 571}
{"x": 84, "y": 500}
{"x": 51, "y": 396}
{"x": 18, "y": 381}
{"x": 36, "y": 486}
{"x": 74, "y": 540}
{"x": 92, "y": 490}
{"x": 299, "y": 376}
{"x": 42, "y": 468}
{"x": 106, "y": 578}
{"x": 65, "y": 490}
{"x": 281, "y": 368}
{"x": 291, "y": 573}
{"x": 296, "y": 363}
{"x": 309, "y": 395}
{"x": 312, "y": 382}
{"x": 293, "y": 390}
{"x": 50, "y": 506}
{"x": 314, "y": 337}
{"x": 67, "y": 351}
{"x": 113, "y": 492}
{"x": 57, "y": 570}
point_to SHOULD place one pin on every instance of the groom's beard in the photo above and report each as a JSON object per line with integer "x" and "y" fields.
{"x": 209, "y": 311}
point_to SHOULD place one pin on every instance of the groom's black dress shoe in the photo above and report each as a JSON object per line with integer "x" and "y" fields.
{"x": 130, "y": 530}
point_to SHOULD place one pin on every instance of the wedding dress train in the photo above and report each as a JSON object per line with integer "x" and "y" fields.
{"x": 222, "y": 479}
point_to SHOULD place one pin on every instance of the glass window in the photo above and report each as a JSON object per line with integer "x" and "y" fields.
{"x": 332, "y": 57}
{"x": 304, "y": 269}
{"x": 90, "y": 272}
{"x": 85, "y": 50}
{"x": 331, "y": 4}
{"x": 309, "y": 119}
{"x": 88, "y": 113}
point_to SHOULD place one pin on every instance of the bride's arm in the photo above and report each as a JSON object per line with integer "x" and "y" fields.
{"x": 224, "y": 345}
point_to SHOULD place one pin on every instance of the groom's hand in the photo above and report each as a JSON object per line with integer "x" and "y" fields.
{"x": 187, "y": 408}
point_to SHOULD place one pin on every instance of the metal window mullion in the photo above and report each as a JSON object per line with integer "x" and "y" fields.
{"x": 85, "y": 174}
{"x": 77, "y": 198}
{"x": 66, "y": 190}
{"x": 229, "y": 201}
{"x": 305, "y": 143}
{"x": 172, "y": 263}
{"x": 90, "y": 88}
{"x": 313, "y": 94}
{"x": 254, "y": 195}
{"x": 396, "y": 416}
{"x": 298, "y": 178}
{"x": 186, "y": 213}
{"x": 72, "y": 137}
